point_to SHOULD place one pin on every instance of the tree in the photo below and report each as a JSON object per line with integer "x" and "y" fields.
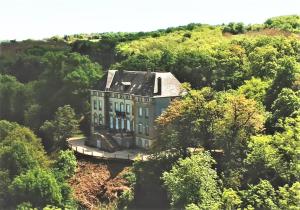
{"x": 288, "y": 68}
{"x": 242, "y": 118}
{"x": 260, "y": 196}
{"x": 37, "y": 186}
{"x": 192, "y": 180}
{"x": 289, "y": 22}
{"x": 4, "y": 183}
{"x": 20, "y": 151}
{"x": 289, "y": 197}
{"x": 275, "y": 158}
{"x": 12, "y": 97}
{"x": 287, "y": 104}
{"x": 230, "y": 199}
{"x": 65, "y": 165}
{"x": 255, "y": 89}
{"x": 62, "y": 127}
{"x": 189, "y": 122}
{"x": 5, "y": 128}
{"x": 264, "y": 62}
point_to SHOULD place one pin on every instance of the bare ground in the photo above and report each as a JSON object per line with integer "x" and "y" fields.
{"x": 96, "y": 183}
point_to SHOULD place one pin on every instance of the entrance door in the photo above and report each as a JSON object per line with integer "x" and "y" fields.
{"x": 98, "y": 144}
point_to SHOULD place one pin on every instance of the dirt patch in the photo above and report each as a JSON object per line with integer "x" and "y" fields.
{"x": 96, "y": 183}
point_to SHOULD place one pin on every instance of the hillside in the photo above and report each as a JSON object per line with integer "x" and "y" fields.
{"x": 241, "y": 109}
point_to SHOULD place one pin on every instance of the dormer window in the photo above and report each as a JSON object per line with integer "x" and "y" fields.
{"x": 125, "y": 85}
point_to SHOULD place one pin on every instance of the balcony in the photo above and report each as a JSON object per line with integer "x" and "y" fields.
{"x": 121, "y": 114}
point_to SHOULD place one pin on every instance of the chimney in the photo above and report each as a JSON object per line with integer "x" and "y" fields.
{"x": 159, "y": 86}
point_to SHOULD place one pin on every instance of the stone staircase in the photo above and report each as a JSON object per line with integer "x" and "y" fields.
{"x": 107, "y": 141}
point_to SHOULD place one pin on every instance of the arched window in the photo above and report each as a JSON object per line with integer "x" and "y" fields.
{"x": 100, "y": 119}
{"x": 95, "y": 118}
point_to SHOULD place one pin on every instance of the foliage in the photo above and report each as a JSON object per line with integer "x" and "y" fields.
{"x": 148, "y": 189}
{"x": 126, "y": 199}
{"x": 38, "y": 186}
{"x": 26, "y": 179}
{"x": 230, "y": 199}
{"x": 255, "y": 89}
{"x": 289, "y": 23}
{"x": 5, "y": 128}
{"x": 260, "y": 196}
{"x": 289, "y": 197}
{"x": 21, "y": 150}
{"x": 189, "y": 122}
{"x": 61, "y": 128}
{"x": 234, "y": 28}
{"x": 66, "y": 164}
{"x": 192, "y": 180}
{"x": 287, "y": 104}
{"x": 276, "y": 158}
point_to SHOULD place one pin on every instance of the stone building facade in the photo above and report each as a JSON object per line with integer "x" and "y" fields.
{"x": 125, "y": 105}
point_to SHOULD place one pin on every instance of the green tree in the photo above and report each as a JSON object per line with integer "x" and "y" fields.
{"x": 264, "y": 62}
{"x": 255, "y": 89}
{"x": 37, "y": 186}
{"x": 62, "y": 127}
{"x": 66, "y": 164}
{"x": 192, "y": 180}
{"x": 289, "y": 197}
{"x": 13, "y": 99}
{"x": 20, "y": 151}
{"x": 5, "y": 128}
{"x": 286, "y": 76}
{"x": 287, "y": 104}
{"x": 290, "y": 23}
{"x": 260, "y": 196}
{"x": 230, "y": 199}
{"x": 189, "y": 122}
{"x": 276, "y": 158}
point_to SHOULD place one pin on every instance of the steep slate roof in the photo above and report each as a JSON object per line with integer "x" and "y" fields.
{"x": 140, "y": 83}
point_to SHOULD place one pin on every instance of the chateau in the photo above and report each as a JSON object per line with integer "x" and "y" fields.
{"x": 125, "y": 105}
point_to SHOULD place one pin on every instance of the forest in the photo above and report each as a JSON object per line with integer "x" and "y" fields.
{"x": 231, "y": 142}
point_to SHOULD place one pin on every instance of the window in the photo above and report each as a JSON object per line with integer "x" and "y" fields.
{"x": 122, "y": 107}
{"x": 140, "y": 111}
{"x": 128, "y": 108}
{"x": 146, "y": 99}
{"x": 111, "y": 122}
{"x": 95, "y": 104}
{"x": 115, "y": 95}
{"x": 147, "y": 130}
{"x": 110, "y": 106}
{"x": 100, "y": 105}
{"x": 122, "y": 123}
{"x": 100, "y": 119}
{"x": 146, "y": 112}
{"x": 95, "y": 119}
{"x": 140, "y": 128}
{"x": 128, "y": 124}
{"x": 116, "y": 106}
{"x": 140, "y": 142}
{"x": 146, "y": 143}
{"x": 117, "y": 123}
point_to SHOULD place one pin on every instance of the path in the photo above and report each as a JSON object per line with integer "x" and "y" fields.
{"x": 77, "y": 144}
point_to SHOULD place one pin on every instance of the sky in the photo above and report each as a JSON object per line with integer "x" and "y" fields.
{"x": 38, "y": 19}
